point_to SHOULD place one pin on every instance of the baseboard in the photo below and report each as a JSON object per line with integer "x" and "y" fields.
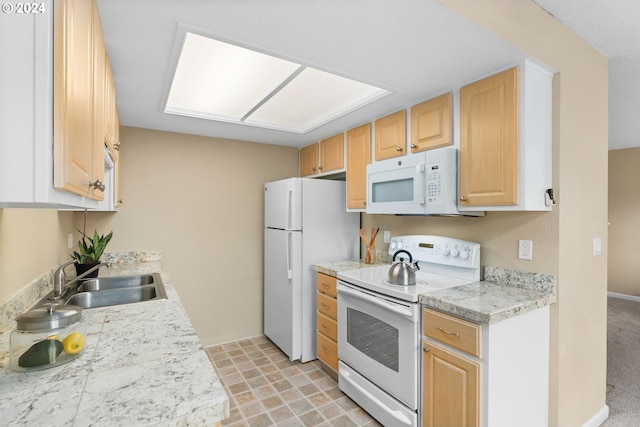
{"x": 598, "y": 418}
{"x": 623, "y": 296}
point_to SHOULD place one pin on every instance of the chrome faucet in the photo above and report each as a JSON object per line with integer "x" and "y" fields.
{"x": 59, "y": 278}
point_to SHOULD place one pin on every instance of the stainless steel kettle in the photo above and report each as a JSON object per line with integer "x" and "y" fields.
{"x": 402, "y": 273}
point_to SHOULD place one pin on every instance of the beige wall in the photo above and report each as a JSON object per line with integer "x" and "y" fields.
{"x": 624, "y": 221}
{"x": 200, "y": 201}
{"x": 578, "y": 328}
{"x": 32, "y": 243}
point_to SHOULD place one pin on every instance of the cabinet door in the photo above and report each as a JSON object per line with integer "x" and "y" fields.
{"x": 309, "y": 160}
{"x": 431, "y": 123}
{"x": 391, "y": 135}
{"x": 358, "y": 157}
{"x": 332, "y": 153}
{"x": 99, "y": 106}
{"x": 450, "y": 389}
{"x": 117, "y": 195}
{"x": 73, "y": 97}
{"x": 489, "y": 141}
{"x": 110, "y": 107}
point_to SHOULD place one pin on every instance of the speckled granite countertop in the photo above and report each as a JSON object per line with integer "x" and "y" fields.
{"x": 143, "y": 365}
{"x": 503, "y": 294}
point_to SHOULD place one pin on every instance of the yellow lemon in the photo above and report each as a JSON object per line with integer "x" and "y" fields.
{"x": 73, "y": 343}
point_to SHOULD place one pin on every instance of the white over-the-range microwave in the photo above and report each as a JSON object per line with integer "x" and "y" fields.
{"x": 418, "y": 184}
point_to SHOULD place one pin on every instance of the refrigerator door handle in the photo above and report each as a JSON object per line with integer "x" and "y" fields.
{"x": 289, "y": 205}
{"x": 288, "y": 255}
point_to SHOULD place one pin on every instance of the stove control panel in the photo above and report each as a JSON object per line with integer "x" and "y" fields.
{"x": 438, "y": 250}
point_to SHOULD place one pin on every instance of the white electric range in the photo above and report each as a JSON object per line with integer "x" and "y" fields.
{"x": 379, "y": 324}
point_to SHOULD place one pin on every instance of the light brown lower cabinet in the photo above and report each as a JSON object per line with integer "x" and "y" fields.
{"x": 327, "y": 320}
{"x": 451, "y": 388}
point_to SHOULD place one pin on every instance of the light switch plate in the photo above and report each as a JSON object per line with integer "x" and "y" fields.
{"x": 597, "y": 246}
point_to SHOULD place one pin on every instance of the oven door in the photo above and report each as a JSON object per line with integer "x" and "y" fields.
{"x": 379, "y": 337}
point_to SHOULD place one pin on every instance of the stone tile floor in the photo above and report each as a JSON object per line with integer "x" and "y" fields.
{"x": 266, "y": 389}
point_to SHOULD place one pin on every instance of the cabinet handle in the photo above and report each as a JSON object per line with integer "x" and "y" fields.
{"x": 463, "y": 198}
{"x": 325, "y": 285}
{"x": 325, "y": 305}
{"x": 325, "y": 327}
{"x": 97, "y": 184}
{"x": 426, "y": 349}
{"x": 398, "y": 148}
{"x": 449, "y": 333}
{"x": 326, "y": 350}
{"x": 414, "y": 146}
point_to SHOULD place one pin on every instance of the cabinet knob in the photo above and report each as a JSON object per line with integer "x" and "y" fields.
{"x": 364, "y": 203}
{"x": 320, "y": 167}
{"x": 97, "y": 184}
{"x": 116, "y": 146}
{"x": 120, "y": 201}
{"x": 313, "y": 169}
{"x": 463, "y": 198}
{"x": 426, "y": 349}
{"x": 414, "y": 146}
{"x": 398, "y": 148}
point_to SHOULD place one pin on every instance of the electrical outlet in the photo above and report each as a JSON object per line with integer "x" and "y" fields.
{"x": 387, "y": 236}
{"x": 69, "y": 240}
{"x": 525, "y": 249}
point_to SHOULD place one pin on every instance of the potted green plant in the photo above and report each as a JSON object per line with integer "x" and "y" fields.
{"x": 90, "y": 250}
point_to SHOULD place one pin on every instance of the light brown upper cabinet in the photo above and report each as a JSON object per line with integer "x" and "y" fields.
{"x": 322, "y": 157}
{"x": 391, "y": 135}
{"x": 505, "y": 140}
{"x": 431, "y": 123}
{"x": 489, "y": 140}
{"x": 309, "y": 160}
{"x": 332, "y": 153}
{"x": 358, "y": 157}
{"x": 73, "y": 128}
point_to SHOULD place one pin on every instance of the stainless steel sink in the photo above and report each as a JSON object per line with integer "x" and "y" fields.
{"x": 110, "y": 291}
{"x": 104, "y": 283}
{"x": 117, "y": 296}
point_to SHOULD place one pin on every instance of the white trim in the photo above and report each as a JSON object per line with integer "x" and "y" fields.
{"x": 598, "y": 418}
{"x": 623, "y": 296}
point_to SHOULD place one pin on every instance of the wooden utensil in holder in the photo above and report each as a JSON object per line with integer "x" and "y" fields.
{"x": 370, "y": 256}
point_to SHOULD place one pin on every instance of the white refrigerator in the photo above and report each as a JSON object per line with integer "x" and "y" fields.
{"x": 306, "y": 223}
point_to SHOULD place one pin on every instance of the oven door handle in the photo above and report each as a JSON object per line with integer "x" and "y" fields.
{"x": 396, "y": 308}
{"x": 402, "y": 418}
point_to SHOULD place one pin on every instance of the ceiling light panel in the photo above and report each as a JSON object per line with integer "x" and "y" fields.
{"x": 220, "y": 81}
{"x": 313, "y": 98}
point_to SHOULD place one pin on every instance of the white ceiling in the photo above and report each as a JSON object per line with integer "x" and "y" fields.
{"x": 612, "y": 27}
{"x": 415, "y": 48}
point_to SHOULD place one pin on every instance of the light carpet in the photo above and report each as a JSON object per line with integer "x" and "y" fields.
{"x": 623, "y": 363}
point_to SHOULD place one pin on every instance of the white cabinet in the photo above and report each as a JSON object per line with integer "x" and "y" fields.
{"x": 493, "y": 375}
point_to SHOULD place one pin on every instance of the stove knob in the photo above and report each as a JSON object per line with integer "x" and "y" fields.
{"x": 454, "y": 252}
{"x": 464, "y": 254}
{"x": 393, "y": 245}
{"x": 400, "y": 245}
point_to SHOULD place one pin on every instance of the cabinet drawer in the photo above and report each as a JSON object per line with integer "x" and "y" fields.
{"x": 328, "y": 305}
{"x": 328, "y": 351}
{"x": 328, "y": 326}
{"x": 326, "y": 284}
{"x": 457, "y": 333}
